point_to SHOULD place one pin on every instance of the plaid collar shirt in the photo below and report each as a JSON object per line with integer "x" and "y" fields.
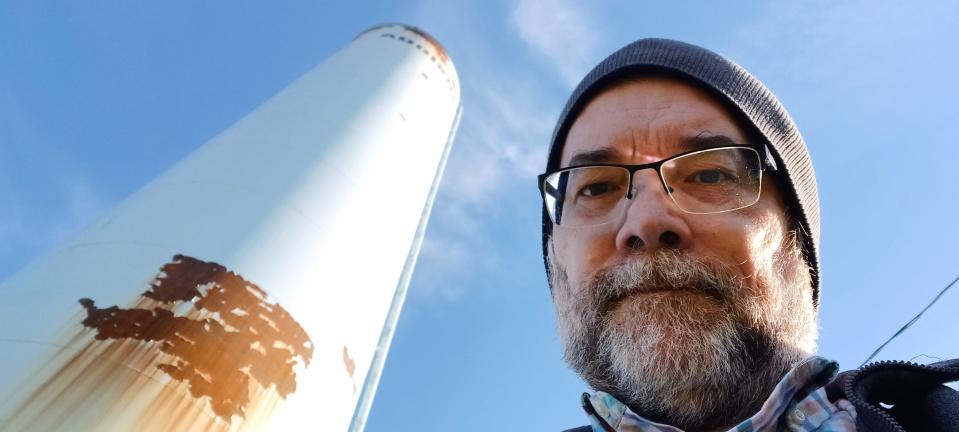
{"x": 798, "y": 403}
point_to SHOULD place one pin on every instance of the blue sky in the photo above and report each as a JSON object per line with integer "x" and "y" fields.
{"x": 97, "y": 98}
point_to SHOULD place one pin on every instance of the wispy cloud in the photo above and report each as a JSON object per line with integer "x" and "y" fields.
{"x": 82, "y": 205}
{"x": 39, "y": 208}
{"x": 30, "y": 225}
{"x": 854, "y": 58}
{"x": 500, "y": 148}
{"x": 509, "y": 113}
{"x": 503, "y": 138}
{"x": 560, "y": 32}
{"x": 849, "y": 43}
{"x": 442, "y": 255}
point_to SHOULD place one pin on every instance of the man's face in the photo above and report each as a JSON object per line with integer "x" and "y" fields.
{"x": 688, "y": 318}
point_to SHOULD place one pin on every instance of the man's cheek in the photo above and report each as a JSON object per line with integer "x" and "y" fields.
{"x": 596, "y": 253}
{"x": 762, "y": 241}
{"x": 568, "y": 256}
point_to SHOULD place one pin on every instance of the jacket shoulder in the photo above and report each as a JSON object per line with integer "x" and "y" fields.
{"x": 895, "y": 395}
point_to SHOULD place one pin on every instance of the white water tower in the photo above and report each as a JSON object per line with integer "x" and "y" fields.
{"x": 255, "y": 285}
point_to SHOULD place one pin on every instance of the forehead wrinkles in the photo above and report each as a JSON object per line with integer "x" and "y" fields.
{"x": 653, "y": 140}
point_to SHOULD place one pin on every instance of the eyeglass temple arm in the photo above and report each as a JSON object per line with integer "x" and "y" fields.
{"x": 770, "y": 161}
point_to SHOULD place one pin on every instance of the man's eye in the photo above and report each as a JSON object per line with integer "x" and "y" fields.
{"x": 710, "y": 176}
{"x": 596, "y": 189}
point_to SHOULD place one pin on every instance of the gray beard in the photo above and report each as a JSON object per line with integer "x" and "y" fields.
{"x": 704, "y": 358}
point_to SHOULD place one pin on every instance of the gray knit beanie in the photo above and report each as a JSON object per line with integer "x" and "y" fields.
{"x": 742, "y": 93}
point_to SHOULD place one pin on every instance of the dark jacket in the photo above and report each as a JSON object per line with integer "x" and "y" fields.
{"x": 896, "y": 396}
{"x": 914, "y": 396}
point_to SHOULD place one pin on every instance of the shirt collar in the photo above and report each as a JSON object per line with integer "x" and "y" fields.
{"x": 799, "y": 391}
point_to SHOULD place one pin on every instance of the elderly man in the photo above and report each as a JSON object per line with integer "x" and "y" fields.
{"x": 680, "y": 234}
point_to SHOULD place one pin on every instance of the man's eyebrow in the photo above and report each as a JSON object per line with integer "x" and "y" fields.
{"x": 704, "y": 140}
{"x": 607, "y": 155}
{"x": 598, "y": 156}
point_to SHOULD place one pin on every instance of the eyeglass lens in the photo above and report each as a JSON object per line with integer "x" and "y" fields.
{"x": 707, "y": 181}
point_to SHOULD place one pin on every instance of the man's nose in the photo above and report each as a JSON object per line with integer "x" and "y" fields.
{"x": 651, "y": 221}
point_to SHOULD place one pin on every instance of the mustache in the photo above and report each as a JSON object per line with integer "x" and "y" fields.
{"x": 662, "y": 270}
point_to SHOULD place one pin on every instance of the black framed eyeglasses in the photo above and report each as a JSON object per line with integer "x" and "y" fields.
{"x": 703, "y": 181}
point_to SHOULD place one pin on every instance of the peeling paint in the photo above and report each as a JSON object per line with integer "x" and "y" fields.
{"x": 231, "y": 353}
{"x": 350, "y": 366}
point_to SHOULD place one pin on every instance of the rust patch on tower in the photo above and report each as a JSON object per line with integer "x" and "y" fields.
{"x": 440, "y": 51}
{"x": 350, "y": 367}
{"x": 209, "y": 336}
